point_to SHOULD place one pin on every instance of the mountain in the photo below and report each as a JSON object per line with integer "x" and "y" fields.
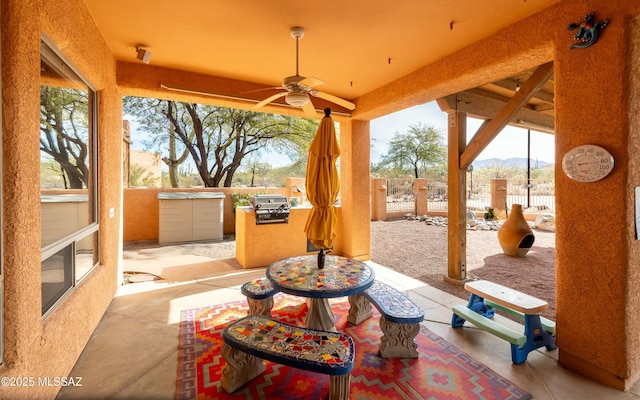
{"x": 509, "y": 162}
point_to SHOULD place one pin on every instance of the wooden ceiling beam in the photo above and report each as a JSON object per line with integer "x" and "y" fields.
{"x": 484, "y": 107}
{"x": 543, "y": 107}
{"x": 510, "y": 85}
{"x": 491, "y": 128}
{"x": 478, "y": 105}
{"x": 447, "y": 104}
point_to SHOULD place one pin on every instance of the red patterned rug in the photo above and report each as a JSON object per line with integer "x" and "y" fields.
{"x": 440, "y": 372}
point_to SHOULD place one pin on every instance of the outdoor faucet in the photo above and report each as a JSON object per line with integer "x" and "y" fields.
{"x": 297, "y": 189}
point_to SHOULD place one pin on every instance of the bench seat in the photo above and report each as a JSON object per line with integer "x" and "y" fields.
{"x": 254, "y": 338}
{"x": 399, "y": 321}
{"x": 508, "y": 334}
{"x": 548, "y": 325}
{"x": 394, "y": 305}
{"x": 259, "y": 293}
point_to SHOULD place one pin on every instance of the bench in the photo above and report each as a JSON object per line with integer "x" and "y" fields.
{"x": 548, "y": 325}
{"x": 248, "y": 341}
{"x": 259, "y": 294}
{"x": 486, "y": 297}
{"x": 399, "y": 321}
{"x": 517, "y": 339}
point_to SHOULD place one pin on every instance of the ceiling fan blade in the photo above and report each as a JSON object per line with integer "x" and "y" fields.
{"x": 270, "y": 99}
{"x": 263, "y": 89}
{"x": 309, "y": 110}
{"x": 311, "y": 82}
{"x": 337, "y": 100}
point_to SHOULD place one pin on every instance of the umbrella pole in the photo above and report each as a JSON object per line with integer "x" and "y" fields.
{"x": 321, "y": 257}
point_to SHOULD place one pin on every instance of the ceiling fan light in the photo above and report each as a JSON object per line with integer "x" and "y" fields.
{"x": 297, "y": 99}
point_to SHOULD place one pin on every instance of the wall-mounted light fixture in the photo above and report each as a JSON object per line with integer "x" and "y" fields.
{"x": 143, "y": 54}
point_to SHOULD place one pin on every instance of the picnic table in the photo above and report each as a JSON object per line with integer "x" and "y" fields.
{"x": 488, "y": 296}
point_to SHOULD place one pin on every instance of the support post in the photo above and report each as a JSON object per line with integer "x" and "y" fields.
{"x": 421, "y": 196}
{"x": 378, "y": 199}
{"x": 457, "y": 200}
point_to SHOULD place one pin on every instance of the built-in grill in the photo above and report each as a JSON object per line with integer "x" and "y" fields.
{"x": 270, "y": 208}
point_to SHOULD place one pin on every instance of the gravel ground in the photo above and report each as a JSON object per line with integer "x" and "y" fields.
{"x": 420, "y": 251}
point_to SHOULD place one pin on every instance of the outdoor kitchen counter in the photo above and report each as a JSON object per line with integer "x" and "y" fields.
{"x": 261, "y": 245}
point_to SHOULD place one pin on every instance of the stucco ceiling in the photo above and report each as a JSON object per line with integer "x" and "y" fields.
{"x": 354, "y": 46}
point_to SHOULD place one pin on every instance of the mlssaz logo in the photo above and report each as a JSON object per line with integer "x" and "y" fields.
{"x": 60, "y": 381}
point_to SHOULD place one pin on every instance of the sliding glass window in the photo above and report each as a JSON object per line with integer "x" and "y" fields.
{"x": 68, "y": 176}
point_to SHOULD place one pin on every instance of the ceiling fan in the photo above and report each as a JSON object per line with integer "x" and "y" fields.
{"x": 298, "y": 88}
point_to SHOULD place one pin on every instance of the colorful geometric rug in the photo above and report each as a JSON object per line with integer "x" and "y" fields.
{"x": 440, "y": 372}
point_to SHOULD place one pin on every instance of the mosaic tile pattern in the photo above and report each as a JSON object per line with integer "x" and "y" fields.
{"x": 319, "y": 351}
{"x": 258, "y": 289}
{"x": 340, "y": 276}
{"x": 393, "y": 304}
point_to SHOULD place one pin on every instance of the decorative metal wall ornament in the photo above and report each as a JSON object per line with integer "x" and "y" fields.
{"x": 587, "y": 31}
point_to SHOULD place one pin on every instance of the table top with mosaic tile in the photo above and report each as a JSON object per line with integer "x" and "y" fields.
{"x": 301, "y": 276}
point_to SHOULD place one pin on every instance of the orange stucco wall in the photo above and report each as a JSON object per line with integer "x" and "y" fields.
{"x": 263, "y": 244}
{"x": 593, "y": 258}
{"x": 33, "y": 347}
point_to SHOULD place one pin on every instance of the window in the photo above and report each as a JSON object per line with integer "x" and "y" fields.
{"x": 68, "y": 176}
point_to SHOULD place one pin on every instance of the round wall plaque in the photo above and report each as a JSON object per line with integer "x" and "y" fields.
{"x": 587, "y": 163}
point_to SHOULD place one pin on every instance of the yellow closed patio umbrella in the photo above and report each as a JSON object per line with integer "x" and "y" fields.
{"x": 323, "y": 185}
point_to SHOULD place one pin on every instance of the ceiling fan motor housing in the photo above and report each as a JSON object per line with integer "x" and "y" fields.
{"x": 293, "y": 82}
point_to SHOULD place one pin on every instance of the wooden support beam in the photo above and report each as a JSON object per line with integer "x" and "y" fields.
{"x": 489, "y": 131}
{"x": 457, "y": 200}
{"x": 485, "y": 105}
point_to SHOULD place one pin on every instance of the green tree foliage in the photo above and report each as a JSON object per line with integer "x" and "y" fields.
{"x": 218, "y": 139}
{"x": 418, "y": 150}
{"x": 64, "y": 131}
{"x": 141, "y": 176}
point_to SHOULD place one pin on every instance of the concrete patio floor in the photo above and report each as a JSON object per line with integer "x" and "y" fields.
{"x": 133, "y": 353}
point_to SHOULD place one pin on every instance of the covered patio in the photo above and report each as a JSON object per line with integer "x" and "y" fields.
{"x": 380, "y": 57}
{"x": 133, "y": 353}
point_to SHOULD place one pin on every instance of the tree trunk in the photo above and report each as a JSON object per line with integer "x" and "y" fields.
{"x": 253, "y": 176}
{"x": 173, "y": 166}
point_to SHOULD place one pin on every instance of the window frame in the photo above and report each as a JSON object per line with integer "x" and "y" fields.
{"x": 94, "y": 196}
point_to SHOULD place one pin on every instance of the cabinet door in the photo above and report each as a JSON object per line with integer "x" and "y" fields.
{"x": 176, "y": 221}
{"x": 207, "y": 219}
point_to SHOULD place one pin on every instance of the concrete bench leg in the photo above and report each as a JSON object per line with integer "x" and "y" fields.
{"x": 240, "y": 369}
{"x": 398, "y": 340}
{"x": 339, "y": 387}
{"x": 360, "y": 309}
{"x": 260, "y": 307}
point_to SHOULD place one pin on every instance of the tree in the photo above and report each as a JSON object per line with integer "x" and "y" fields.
{"x": 216, "y": 138}
{"x": 141, "y": 176}
{"x": 64, "y": 131}
{"x": 254, "y": 167}
{"x": 417, "y": 150}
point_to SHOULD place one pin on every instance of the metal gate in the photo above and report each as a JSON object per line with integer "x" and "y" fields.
{"x": 400, "y": 196}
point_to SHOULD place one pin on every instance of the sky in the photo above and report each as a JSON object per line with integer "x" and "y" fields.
{"x": 510, "y": 143}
